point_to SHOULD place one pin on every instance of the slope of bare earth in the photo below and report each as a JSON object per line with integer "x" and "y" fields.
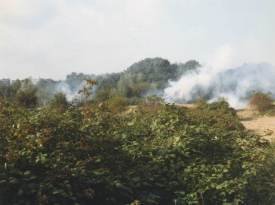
{"x": 260, "y": 124}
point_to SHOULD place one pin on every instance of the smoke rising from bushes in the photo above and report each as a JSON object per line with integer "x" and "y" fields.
{"x": 71, "y": 94}
{"x": 234, "y": 84}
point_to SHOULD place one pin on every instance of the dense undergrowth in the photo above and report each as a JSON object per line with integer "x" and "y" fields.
{"x": 154, "y": 154}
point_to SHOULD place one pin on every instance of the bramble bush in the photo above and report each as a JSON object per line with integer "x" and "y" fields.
{"x": 93, "y": 155}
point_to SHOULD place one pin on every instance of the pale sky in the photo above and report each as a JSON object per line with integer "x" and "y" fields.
{"x": 52, "y": 38}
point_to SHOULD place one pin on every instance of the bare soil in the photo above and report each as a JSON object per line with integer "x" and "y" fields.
{"x": 260, "y": 124}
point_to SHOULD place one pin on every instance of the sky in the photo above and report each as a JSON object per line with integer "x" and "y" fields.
{"x": 53, "y": 38}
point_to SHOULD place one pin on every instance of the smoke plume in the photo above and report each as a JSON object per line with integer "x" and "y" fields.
{"x": 234, "y": 84}
{"x": 71, "y": 92}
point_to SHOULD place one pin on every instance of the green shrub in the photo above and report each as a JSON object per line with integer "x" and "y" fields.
{"x": 27, "y": 98}
{"x": 117, "y": 103}
{"x": 92, "y": 155}
{"x": 262, "y": 185}
{"x": 59, "y": 101}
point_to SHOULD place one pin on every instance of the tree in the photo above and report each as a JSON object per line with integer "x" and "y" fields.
{"x": 26, "y": 95}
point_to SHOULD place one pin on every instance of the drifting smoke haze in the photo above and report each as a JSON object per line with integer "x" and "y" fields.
{"x": 71, "y": 93}
{"x": 234, "y": 84}
{"x": 175, "y": 82}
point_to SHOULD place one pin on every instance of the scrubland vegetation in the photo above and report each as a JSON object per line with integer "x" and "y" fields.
{"x": 93, "y": 153}
{"x": 115, "y": 145}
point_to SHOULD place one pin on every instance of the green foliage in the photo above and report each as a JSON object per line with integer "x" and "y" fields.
{"x": 26, "y": 98}
{"x": 117, "y": 103}
{"x": 104, "y": 94}
{"x": 151, "y": 74}
{"x": 26, "y": 95}
{"x": 9, "y": 89}
{"x": 143, "y": 78}
{"x": 217, "y": 115}
{"x": 262, "y": 186}
{"x": 59, "y": 101}
{"x": 93, "y": 155}
{"x": 46, "y": 89}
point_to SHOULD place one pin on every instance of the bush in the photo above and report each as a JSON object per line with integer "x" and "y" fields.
{"x": 218, "y": 115}
{"x": 262, "y": 185}
{"x": 261, "y": 101}
{"x": 117, "y": 103}
{"x": 27, "y": 98}
{"x": 59, "y": 101}
{"x": 94, "y": 156}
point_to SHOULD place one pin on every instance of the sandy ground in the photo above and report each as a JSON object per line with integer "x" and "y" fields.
{"x": 262, "y": 125}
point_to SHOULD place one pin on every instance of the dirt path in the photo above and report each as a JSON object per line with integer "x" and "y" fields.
{"x": 262, "y": 125}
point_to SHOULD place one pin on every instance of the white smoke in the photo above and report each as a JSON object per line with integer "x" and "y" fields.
{"x": 235, "y": 84}
{"x": 65, "y": 88}
{"x": 71, "y": 94}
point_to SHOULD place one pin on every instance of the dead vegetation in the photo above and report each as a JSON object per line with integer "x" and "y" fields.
{"x": 262, "y": 102}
